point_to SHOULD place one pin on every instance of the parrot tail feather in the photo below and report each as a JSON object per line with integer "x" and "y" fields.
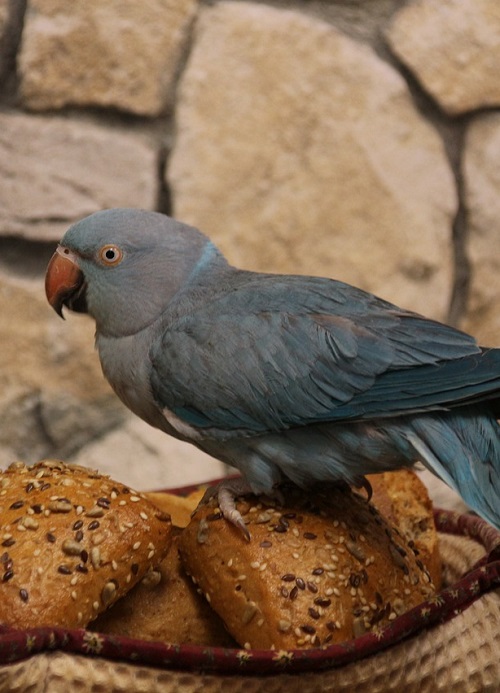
{"x": 462, "y": 447}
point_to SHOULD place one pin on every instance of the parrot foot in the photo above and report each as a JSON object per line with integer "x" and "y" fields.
{"x": 226, "y": 493}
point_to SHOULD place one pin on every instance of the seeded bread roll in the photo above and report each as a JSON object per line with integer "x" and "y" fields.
{"x": 165, "y": 606}
{"x": 73, "y": 541}
{"x": 324, "y": 568}
{"x": 403, "y": 499}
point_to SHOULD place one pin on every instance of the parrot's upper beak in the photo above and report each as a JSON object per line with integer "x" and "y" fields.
{"x": 65, "y": 282}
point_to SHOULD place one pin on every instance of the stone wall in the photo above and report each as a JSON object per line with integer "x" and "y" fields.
{"x": 356, "y": 139}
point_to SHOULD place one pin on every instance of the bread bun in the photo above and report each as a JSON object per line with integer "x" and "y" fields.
{"x": 403, "y": 499}
{"x": 167, "y": 607}
{"x": 72, "y": 542}
{"x": 324, "y": 568}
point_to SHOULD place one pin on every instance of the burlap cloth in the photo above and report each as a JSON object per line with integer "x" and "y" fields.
{"x": 428, "y": 653}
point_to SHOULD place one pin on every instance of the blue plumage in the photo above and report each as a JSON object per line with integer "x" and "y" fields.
{"x": 281, "y": 376}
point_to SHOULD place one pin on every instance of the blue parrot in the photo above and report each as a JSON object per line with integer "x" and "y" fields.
{"x": 284, "y": 377}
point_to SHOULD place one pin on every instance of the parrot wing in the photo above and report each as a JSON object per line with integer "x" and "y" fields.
{"x": 271, "y": 353}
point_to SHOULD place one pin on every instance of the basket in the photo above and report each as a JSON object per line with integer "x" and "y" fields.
{"x": 448, "y": 643}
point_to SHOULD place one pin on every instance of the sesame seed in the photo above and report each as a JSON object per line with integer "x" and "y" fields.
{"x": 73, "y": 580}
{"x": 51, "y": 538}
{"x": 136, "y": 545}
{"x": 288, "y": 577}
{"x": 108, "y": 592}
{"x": 143, "y": 515}
{"x": 74, "y": 595}
{"x": 134, "y": 499}
{"x": 64, "y": 569}
{"x": 95, "y": 556}
{"x": 24, "y": 594}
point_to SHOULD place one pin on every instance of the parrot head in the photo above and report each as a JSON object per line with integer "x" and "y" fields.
{"x": 123, "y": 267}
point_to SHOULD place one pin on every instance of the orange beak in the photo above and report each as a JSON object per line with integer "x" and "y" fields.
{"x": 64, "y": 280}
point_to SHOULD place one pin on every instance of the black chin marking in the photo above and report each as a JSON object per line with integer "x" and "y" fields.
{"x": 77, "y": 301}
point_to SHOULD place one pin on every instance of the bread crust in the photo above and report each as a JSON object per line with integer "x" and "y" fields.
{"x": 324, "y": 568}
{"x": 167, "y": 608}
{"x": 72, "y": 542}
{"x": 403, "y": 499}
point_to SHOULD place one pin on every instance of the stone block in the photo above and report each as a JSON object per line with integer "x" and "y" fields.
{"x": 298, "y": 150}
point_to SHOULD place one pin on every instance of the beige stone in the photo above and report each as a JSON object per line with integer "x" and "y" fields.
{"x": 148, "y": 459}
{"x": 120, "y": 53}
{"x": 4, "y": 14}
{"x": 4, "y": 39}
{"x": 56, "y": 170}
{"x": 482, "y": 199}
{"x": 453, "y": 48}
{"x": 54, "y": 401}
{"x": 53, "y": 397}
{"x": 298, "y": 150}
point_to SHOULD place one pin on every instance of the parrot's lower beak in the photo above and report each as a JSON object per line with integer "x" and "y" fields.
{"x": 65, "y": 283}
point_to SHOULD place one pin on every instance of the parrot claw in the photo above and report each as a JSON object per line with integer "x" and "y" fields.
{"x": 226, "y": 492}
{"x": 363, "y": 483}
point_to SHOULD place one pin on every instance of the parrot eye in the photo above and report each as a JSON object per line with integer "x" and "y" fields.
{"x": 110, "y": 255}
